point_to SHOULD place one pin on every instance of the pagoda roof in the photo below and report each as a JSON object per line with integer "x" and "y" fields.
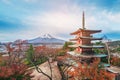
{"x": 75, "y": 39}
{"x": 86, "y": 55}
{"x": 114, "y": 69}
{"x": 83, "y": 37}
{"x": 94, "y": 55}
{"x": 100, "y": 55}
{"x": 76, "y": 45}
{"x": 85, "y": 30}
{"x": 92, "y": 38}
{"x": 86, "y": 46}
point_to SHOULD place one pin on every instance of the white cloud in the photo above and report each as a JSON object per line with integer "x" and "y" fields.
{"x": 109, "y": 21}
{"x": 53, "y": 22}
{"x": 69, "y": 21}
{"x": 65, "y": 17}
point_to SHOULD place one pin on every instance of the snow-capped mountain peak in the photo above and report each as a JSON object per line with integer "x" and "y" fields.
{"x": 46, "y": 36}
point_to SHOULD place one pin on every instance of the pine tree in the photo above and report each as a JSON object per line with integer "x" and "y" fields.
{"x": 30, "y": 54}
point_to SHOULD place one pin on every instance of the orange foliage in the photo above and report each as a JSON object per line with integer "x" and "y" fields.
{"x": 92, "y": 72}
{"x": 39, "y": 48}
{"x": 13, "y": 71}
{"x": 115, "y": 61}
{"x": 44, "y": 51}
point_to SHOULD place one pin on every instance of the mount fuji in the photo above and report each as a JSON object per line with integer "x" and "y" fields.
{"x": 46, "y": 38}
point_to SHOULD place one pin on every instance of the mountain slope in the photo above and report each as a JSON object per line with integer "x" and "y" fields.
{"x": 47, "y": 38}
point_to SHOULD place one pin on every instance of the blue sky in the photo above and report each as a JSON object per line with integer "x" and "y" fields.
{"x": 27, "y": 19}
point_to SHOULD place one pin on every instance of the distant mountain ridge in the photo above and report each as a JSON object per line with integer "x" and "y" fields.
{"x": 46, "y": 38}
{"x": 114, "y": 43}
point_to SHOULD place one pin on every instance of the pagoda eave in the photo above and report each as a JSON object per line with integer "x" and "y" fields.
{"x": 74, "y": 46}
{"x": 87, "y": 47}
{"x": 87, "y": 56}
{"x": 91, "y": 31}
{"x": 114, "y": 69}
{"x": 95, "y": 56}
{"x": 84, "y": 46}
{"x": 76, "y": 32}
{"x": 85, "y": 30}
{"x": 90, "y": 38}
{"x": 74, "y": 39}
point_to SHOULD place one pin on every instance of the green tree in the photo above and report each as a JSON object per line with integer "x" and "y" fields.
{"x": 117, "y": 49}
{"x": 66, "y": 46}
{"x": 30, "y": 54}
{"x": 97, "y": 50}
{"x": 99, "y": 43}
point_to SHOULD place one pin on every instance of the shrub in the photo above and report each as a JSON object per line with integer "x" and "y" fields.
{"x": 62, "y": 53}
{"x": 14, "y": 72}
{"x": 115, "y": 61}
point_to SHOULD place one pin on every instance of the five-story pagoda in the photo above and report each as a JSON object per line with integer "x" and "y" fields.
{"x": 83, "y": 43}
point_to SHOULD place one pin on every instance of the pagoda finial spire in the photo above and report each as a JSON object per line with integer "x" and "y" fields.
{"x": 83, "y": 21}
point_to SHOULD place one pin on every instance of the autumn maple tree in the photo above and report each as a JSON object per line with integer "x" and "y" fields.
{"x": 89, "y": 72}
{"x": 13, "y": 69}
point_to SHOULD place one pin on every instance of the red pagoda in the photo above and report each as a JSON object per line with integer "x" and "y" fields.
{"x": 83, "y": 40}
